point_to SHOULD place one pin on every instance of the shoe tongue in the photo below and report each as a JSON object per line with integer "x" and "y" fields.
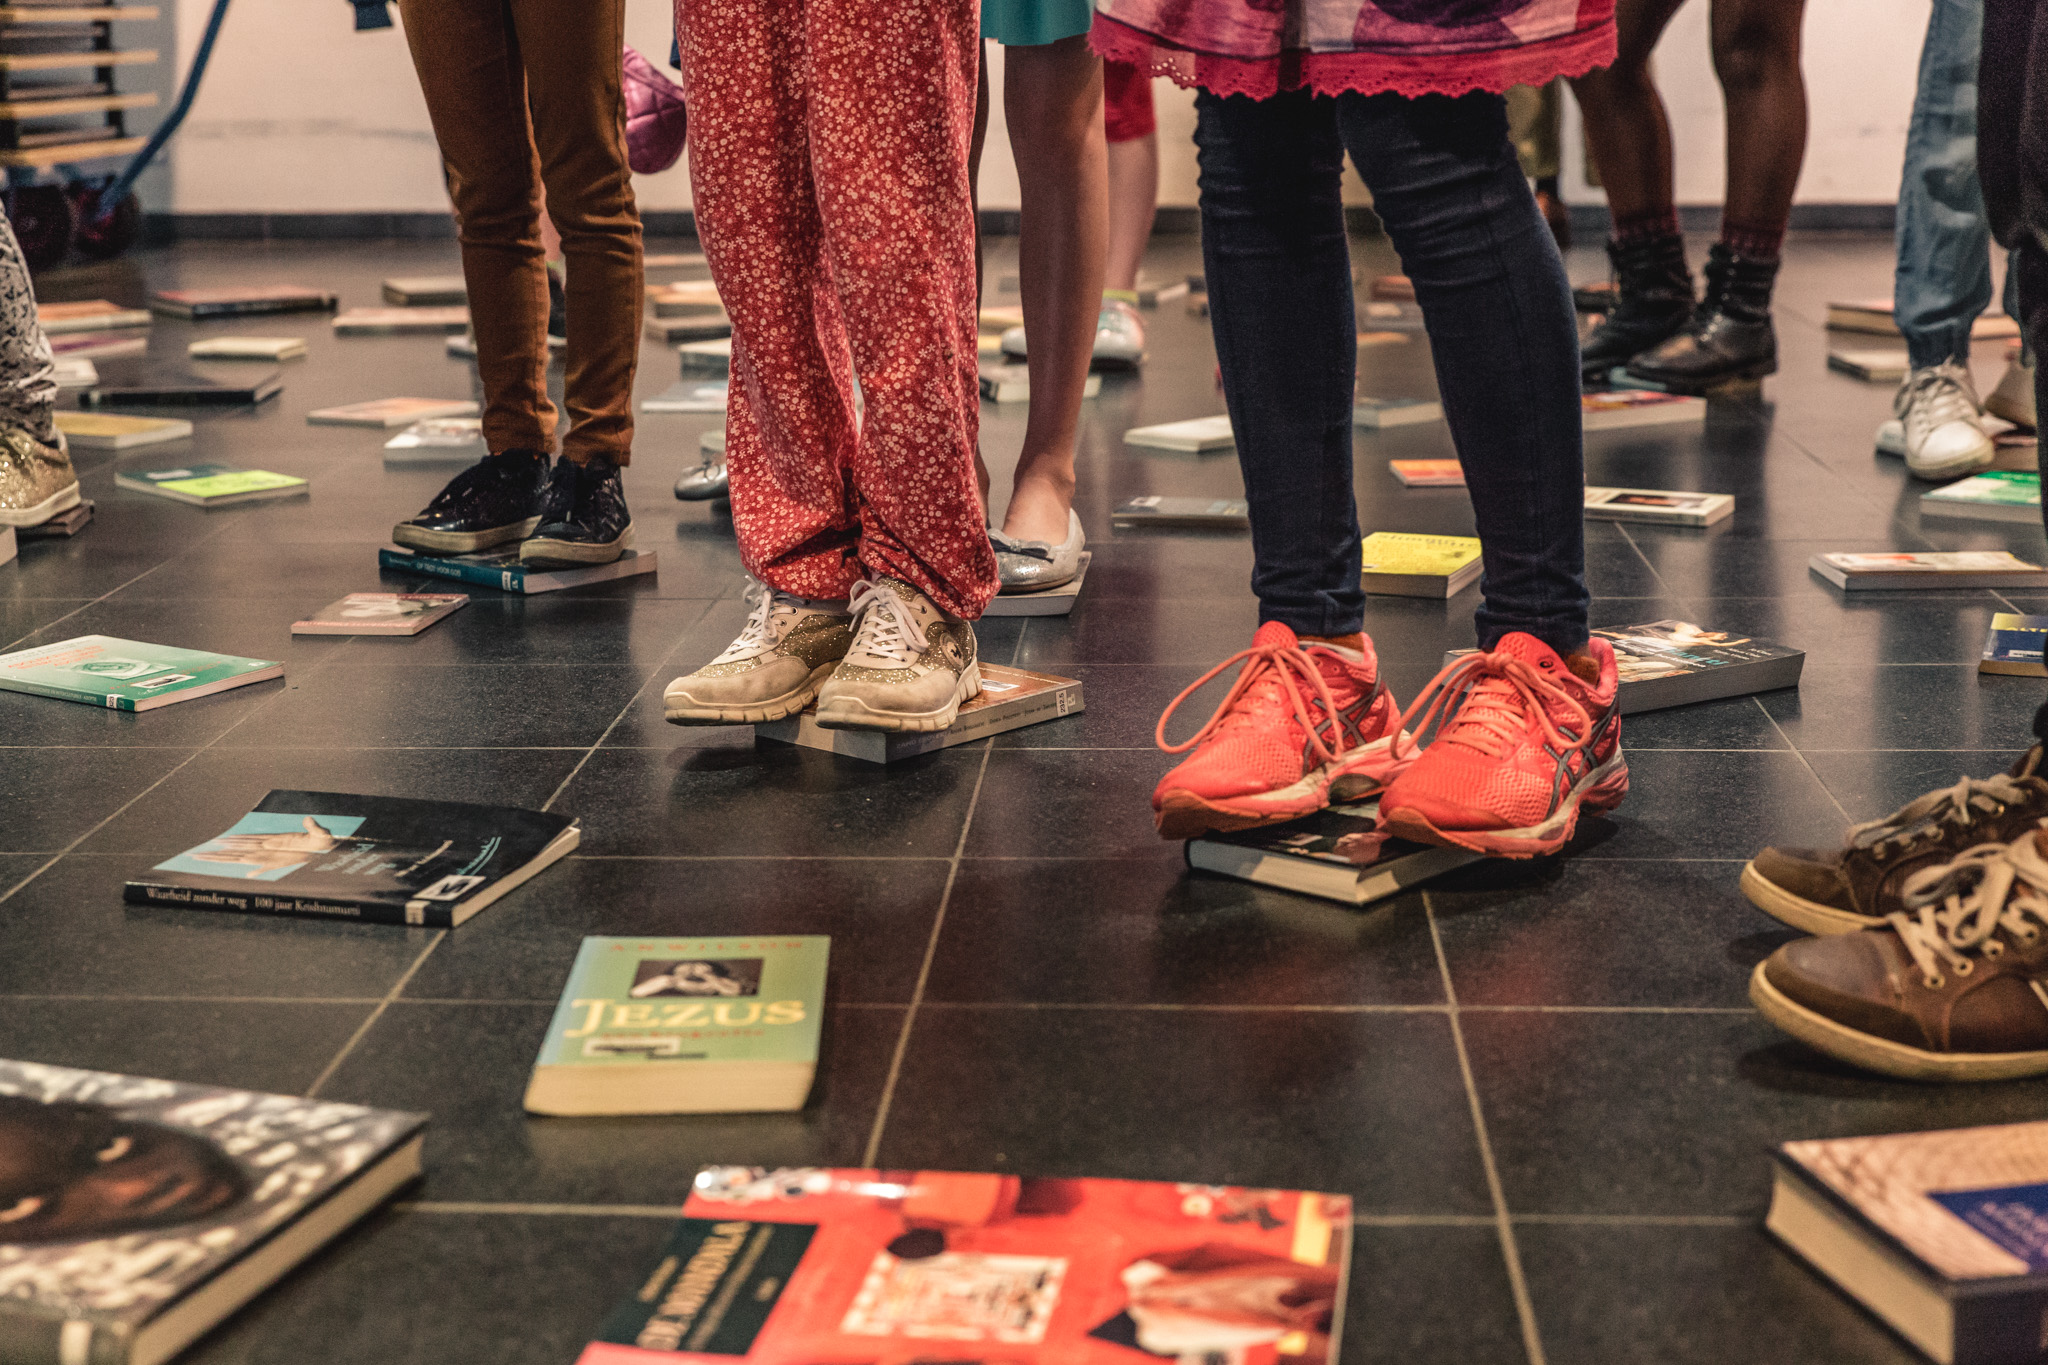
{"x": 1275, "y": 635}
{"x": 1532, "y": 652}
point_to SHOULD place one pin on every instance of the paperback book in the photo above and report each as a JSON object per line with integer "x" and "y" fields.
{"x": 1996, "y": 496}
{"x": 10, "y": 545}
{"x": 109, "y": 431}
{"x": 1397, "y": 564}
{"x": 1011, "y": 698}
{"x": 2014, "y": 645}
{"x": 1939, "y": 1234}
{"x": 1198, "y": 514}
{"x": 385, "y": 859}
{"x": 684, "y": 1026}
{"x": 1392, "y": 289}
{"x": 1872, "y": 366}
{"x": 391, "y": 412}
{"x": 1011, "y": 383}
{"x": 416, "y": 291}
{"x": 1044, "y": 601}
{"x": 1428, "y": 473}
{"x": 229, "y": 303}
{"x": 127, "y": 675}
{"x": 1928, "y": 569}
{"x": 1658, "y": 505}
{"x": 1662, "y": 664}
{"x": 155, "y": 1209}
{"x": 399, "y": 321}
{"x": 1001, "y": 319}
{"x": 687, "y": 395}
{"x": 1874, "y": 316}
{"x": 706, "y": 357}
{"x": 91, "y": 315}
{"x": 797, "y": 1267}
{"x": 63, "y": 525}
{"x": 140, "y": 384}
{"x": 1377, "y": 413}
{"x": 438, "y": 441}
{"x": 211, "y": 485}
{"x": 382, "y": 613}
{"x": 248, "y": 348}
{"x": 1192, "y": 437}
{"x": 500, "y": 568}
{"x": 98, "y": 345}
{"x": 669, "y": 300}
{"x": 710, "y": 326}
{"x": 1638, "y": 408}
{"x": 73, "y": 372}
{"x": 1336, "y": 853}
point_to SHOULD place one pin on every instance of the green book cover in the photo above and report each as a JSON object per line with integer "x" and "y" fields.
{"x": 126, "y": 675}
{"x": 1398, "y": 552}
{"x": 207, "y": 482}
{"x": 632, "y": 1001}
{"x": 1999, "y": 488}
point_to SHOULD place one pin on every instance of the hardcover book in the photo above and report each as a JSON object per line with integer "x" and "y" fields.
{"x": 1638, "y": 408}
{"x": 1011, "y": 383}
{"x": 386, "y": 859}
{"x": 1939, "y": 1234}
{"x": 2013, "y": 645}
{"x": 1874, "y": 316}
{"x": 98, "y": 345}
{"x": 1996, "y": 496}
{"x": 1011, "y": 698}
{"x": 109, "y": 431}
{"x": 248, "y": 348}
{"x": 211, "y": 485}
{"x": 1873, "y": 366}
{"x": 500, "y": 568}
{"x": 391, "y": 412}
{"x": 227, "y": 303}
{"x": 1202, "y": 433}
{"x": 709, "y": 326}
{"x": 127, "y": 675}
{"x": 1045, "y": 601}
{"x": 1428, "y": 473}
{"x": 438, "y": 440}
{"x": 1376, "y": 413}
{"x": 414, "y": 291}
{"x": 1397, "y": 564}
{"x": 797, "y": 1267}
{"x": 1336, "y": 853}
{"x": 1928, "y": 569}
{"x": 706, "y": 357}
{"x": 1676, "y": 663}
{"x": 144, "y": 1212}
{"x": 399, "y": 321}
{"x": 1658, "y": 505}
{"x": 63, "y": 525}
{"x": 140, "y": 384}
{"x": 382, "y": 613}
{"x": 687, "y": 395}
{"x": 91, "y": 315}
{"x": 1201, "y": 514}
{"x": 684, "y": 1026}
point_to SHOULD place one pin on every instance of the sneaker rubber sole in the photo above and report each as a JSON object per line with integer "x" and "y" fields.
{"x": 63, "y": 500}
{"x": 851, "y": 713}
{"x": 1598, "y": 791}
{"x": 695, "y": 712}
{"x": 1802, "y": 914}
{"x": 1182, "y": 814}
{"x": 461, "y": 542}
{"x": 1832, "y": 1039}
{"x": 543, "y": 550}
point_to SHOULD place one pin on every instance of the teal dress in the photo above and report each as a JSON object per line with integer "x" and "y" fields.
{"x": 1033, "y": 23}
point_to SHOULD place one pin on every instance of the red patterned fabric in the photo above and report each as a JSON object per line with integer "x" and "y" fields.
{"x": 828, "y": 158}
{"x": 1407, "y": 47}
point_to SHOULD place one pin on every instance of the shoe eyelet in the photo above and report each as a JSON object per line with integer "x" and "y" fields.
{"x": 2030, "y": 935}
{"x": 1933, "y": 983}
{"x": 1994, "y": 949}
{"x": 1965, "y": 968}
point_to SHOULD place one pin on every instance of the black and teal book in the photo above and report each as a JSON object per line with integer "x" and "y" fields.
{"x": 387, "y": 859}
{"x": 135, "y": 1214}
{"x": 2015, "y": 645}
{"x": 146, "y": 383}
{"x": 502, "y": 570}
{"x": 1336, "y": 853}
{"x": 127, "y": 675}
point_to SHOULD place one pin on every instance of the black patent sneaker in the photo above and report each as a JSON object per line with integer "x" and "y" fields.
{"x": 584, "y": 519}
{"x": 494, "y": 500}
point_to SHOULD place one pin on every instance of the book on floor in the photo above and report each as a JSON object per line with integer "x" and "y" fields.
{"x": 1661, "y": 664}
{"x": 1874, "y": 317}
{"x": 1377, "y": 413}
{"x": 1392, "y": 289}
{"x": 111, "y": 431}
{"x": 1861, "y": 571}
{"x": 1336, "y": 853}
{"x": 1011, "y": 698}
{"x": 500, "y": 568}
{"x": 248, "y": 348}
{"x": 211, "y": 485}
{"x": 1658, "y": 505}
{"x": 1152, "y": 293}
{"x": 73, "y": 372}
{"x": 670, "y": 260}
{"x": 2014, "y": 645}
{"x": 799, "y": 1266}
{"x": 90, "y": 315}
{"x": 1620, "y": 408}
{"x": 1390, "y": 314}
{"x": 1007, "y": 382}
{"x": 1199, "y": 434}
{"x": 1368, "y": 340}
{"x": 1058, "y": 601}
{"x": 687, "y": 395}
{"x": 706, "y": 357}
{"x": 242, "y": 302}
{"x": 382, "y": 613}
{"x": 142, "y": 384}
{"x": 438, "y": 440}
{"x": 1874, "y": 366}
{"x": 710, "y": 327}
{"x": 1939, "y": 1234}
{"x": 684, "y": 1026}
{"x": 391, "y": 412}
{"x": 417, "y": 291}
{"x": 386, "y": 859}
{"x": 127, "y": 675}
{"x": 681, "y": 294}
{"x": 63, "y": 525}
{"x": 1001, "y": 319}
{"x": 98, "y": 345}
{"x": 1397, "y": 564}
{"x": 2000, "y": 495}
{"x": 399, "y": 321}
{"x": 152, "y": 1209}
{"x": 1197, "y": 514}
{"x": 1428, "y": 473}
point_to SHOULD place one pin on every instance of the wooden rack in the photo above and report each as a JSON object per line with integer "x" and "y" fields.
{"x": 45, "y": 122}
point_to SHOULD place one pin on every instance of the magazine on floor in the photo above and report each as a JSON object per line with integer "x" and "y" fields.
{"x": 127, "y": 675}
{"x": 387, "y": 859}
{"x": 1189, "y": 438}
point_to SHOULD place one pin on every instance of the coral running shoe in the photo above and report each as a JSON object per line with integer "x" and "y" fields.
{"x": 1522, "y": 745}
{"x": 1299, "y": 720}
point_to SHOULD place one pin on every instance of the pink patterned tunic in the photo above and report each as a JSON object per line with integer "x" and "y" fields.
{"x": 1409, "y": 47}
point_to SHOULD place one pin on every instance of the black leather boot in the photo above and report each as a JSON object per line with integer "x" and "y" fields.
{"x": 1654, "y": 301}
{"x": 1729, "y": 339}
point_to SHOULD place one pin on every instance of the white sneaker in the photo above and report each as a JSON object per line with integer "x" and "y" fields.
{"x": 1940, "y": 419}
{"x": 909, "y": 668}
{"x": 2013, "y": 399}
{"x": 1012, "y": 344}
{"x": 1119, "y": 336}
{"x": 772, "y": 671}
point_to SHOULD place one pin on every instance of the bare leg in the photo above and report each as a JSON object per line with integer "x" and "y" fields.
{"x": 1626, "y": 126}
{"x": 1756, "y": 56}
{"x": 1133, "y": 200}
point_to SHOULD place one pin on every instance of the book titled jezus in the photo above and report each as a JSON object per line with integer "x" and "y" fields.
{"x": 796, "y": 1267}
{"x": 386, "y": 859}
{"x": 382, "y": 613}
{"x": 1943, "y": 1235}
{"x": 1011, "y": 698}
{"x": 1199, "y": 514}
{"x": 502, "y": 570}
{"x": 127, "y": 675}
{"x": 1676, "y": 663}
{"x": 1928, "y": 569}
{"x": 1336, "y": 853}
{"x": 2014, "y": 645}
{"x": 1999, "y": 495}
{"x": 141, "y": 1213}
{"x": 211, "y": 485}
{"x": 684, "y": 1026}
{"x": 242, "y": 302}
{"x": 1397, "y": 564}
{"x": 1658, "y": 505}
{"x": 142, "y": 384}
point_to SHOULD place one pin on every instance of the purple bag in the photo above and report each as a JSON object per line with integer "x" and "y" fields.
{"x": 656, "y": 121}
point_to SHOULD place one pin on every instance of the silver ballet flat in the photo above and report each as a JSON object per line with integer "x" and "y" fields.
{"x": 1033, "y": 565}
{"x": 704, "y": 483}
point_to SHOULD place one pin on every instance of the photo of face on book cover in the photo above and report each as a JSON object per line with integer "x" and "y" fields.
{"x": 1670, "y": 649}
{"x": 864, "y": 1267}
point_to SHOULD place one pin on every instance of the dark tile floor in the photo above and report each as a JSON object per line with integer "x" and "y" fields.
{"x": 1541, "y": 1083}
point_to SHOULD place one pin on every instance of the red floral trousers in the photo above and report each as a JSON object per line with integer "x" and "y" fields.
{"x": 828, "y": 161}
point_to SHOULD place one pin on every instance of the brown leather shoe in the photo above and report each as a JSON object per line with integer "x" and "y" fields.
{"x": 1842, "y": 890}
{"x": 1954, "y": 988}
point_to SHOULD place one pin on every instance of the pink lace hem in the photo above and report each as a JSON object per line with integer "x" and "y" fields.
{"x": 1366, "y": 73}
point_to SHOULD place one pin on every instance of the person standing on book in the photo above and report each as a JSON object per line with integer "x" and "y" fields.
{"x": 526, "y": 100}
{"x": 1527, "y": 732}
{"x": 36, "y": 478}
{"x": 828, "y": 151}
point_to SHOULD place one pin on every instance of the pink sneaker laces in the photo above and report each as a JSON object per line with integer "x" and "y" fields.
{"x": 1268, "y": 666}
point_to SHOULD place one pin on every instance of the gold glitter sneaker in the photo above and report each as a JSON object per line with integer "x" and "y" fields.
{"x": 909, "y": 668}
{"x": 36, "y": 480}
{"x": 772, "y": 671}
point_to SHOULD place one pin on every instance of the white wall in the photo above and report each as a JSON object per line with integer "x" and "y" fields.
{"x": 300, "y": 114}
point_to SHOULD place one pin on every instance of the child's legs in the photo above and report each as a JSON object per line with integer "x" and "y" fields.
{"x": 1132, "y": 131}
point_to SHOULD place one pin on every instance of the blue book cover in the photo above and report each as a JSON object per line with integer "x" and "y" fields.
{"x": 2015, "y": 645}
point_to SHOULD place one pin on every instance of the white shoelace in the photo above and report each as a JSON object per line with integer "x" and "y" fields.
{"x": 1953, "y": 805}
{"x": 766, "y": 626}
{"x": 1936, "y": 396}
{"x": 1955, "y": 909}
{"x": 888, "y": 628}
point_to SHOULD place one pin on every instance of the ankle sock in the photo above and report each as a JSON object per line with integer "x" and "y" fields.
{"x": 1632, "y": 228}
{"x": 1757, "y": 242}
{"x": 1354, "y": 641}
